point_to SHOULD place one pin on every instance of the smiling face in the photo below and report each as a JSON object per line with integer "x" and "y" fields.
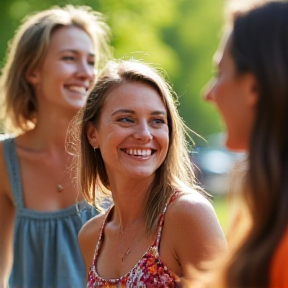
{"x": 235, "y": 97}
{"x": 132, "y": 133}
{"x": 67, "y": 71}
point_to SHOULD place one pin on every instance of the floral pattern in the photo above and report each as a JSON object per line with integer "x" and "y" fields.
{"x": 149, "y": 272}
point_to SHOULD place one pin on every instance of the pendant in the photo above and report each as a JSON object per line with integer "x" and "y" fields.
{"x": 60, "y": 188}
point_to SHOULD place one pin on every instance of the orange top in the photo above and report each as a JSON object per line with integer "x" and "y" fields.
{"x": 279, "y": 267}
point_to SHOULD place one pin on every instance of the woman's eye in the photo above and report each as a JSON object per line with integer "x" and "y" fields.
{"x": 158, "y": 121}
{"x": 125, "y": 120}
{"x": 71, "y": 58}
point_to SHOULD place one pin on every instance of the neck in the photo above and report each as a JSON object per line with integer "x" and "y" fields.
{"x": 49, "y": 134}
{"x": 127, "y": 219}
{"x": 130, "y": 200}
{"x": 52, "y": 123}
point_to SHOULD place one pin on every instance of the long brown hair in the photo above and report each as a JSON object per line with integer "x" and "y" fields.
{"x": 259, "y": 46}
{"x": 175, "y": 172}
{"x": 27, "y": 51}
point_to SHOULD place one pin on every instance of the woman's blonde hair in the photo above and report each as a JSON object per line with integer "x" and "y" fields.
{"x": 175, "y": 172}
{"x": 28, "y": 49}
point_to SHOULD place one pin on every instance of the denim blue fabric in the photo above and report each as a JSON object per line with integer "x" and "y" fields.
{"x": 46, "y": 251}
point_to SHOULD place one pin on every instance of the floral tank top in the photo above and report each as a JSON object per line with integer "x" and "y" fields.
{"x": 149, "y": 272}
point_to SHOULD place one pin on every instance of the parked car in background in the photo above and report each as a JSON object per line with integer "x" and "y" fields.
{"x": 215, "y": 164}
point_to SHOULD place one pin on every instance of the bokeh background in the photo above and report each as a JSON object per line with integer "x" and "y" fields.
{"x": 179, "y": 36}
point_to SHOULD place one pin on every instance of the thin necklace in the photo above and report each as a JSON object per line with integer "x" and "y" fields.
{"x": 121, "y": 234}
{"x": 59, "y": 186}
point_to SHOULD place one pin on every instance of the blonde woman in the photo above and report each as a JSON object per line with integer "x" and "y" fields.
{"x": 50, "y": 68}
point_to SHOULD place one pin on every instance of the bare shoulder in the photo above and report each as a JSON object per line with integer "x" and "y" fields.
{"x": 88, "y": 238}
{"x": 190, "y": 204}
{"x": 194, "y": 234}
{"x": 91, "y": 229}
{"x": 193, "y": 216}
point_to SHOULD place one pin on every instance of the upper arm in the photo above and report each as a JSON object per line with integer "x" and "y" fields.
{"x": 7, "y": 214}
{"x": 200, "y": 240}
{"x": 87, "y": 238}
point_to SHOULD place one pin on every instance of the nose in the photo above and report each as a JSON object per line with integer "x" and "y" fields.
{"x": 142, "y": 132}
{"x": 208, "y": 90}
{"x": 85, "y": 71}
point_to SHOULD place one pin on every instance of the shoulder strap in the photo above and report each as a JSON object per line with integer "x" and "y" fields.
{"x": 101, "y": 236}
{"x": 13, "y": 169}
{"x": 161, "y": 220}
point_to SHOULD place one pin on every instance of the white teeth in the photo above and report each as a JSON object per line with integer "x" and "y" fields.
{"x": 139, "y": 152}
{"x": 79, "y": 89}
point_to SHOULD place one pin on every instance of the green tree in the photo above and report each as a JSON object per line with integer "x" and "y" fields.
{"x": 178, "y": 36}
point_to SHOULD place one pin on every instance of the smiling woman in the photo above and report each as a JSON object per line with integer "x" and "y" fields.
{"x": 49, "y": 70}
{"x": 133, "y": 149}
{"x": 144, "y": 117}
{"x": 67, "y": 70}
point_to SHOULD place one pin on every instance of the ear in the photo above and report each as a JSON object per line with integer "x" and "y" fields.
{"x": 252, "y": 90}
{"x": 92, "y": 135}
{"x": 33, "y": 77}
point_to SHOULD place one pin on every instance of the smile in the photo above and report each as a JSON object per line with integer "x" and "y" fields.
{"x": 78, "y": 89}
{"x": 138, "y": 152}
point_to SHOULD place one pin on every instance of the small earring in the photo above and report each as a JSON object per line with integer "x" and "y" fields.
{"x": 95, "y": 148}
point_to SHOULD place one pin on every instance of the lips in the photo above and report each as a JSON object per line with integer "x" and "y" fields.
{"x": 139, "y": 152}
{"x": 78, "y": 89}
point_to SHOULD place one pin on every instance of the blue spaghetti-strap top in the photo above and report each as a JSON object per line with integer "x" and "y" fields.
{"x": 46, "y": 251}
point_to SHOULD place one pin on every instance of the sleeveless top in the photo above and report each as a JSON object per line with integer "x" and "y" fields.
{"x": 150, "y": 271}
{"x": 46, "y": 250}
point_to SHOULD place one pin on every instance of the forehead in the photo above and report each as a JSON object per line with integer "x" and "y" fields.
{"x": 134, "y": 95}
{"x": 70, "y": 37}
{"x": 223, "y": 54}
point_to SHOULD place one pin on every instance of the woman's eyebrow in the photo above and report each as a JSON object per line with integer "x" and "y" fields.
{"x": 160, "y": 112}
{"x": 75, "y": 52}
{"x": 123, "y": 111}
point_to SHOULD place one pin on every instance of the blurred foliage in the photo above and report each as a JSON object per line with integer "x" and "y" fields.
{"x": 179, "y": 36}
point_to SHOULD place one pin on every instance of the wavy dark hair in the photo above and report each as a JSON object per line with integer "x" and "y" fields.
{"x": 259, "y": 45}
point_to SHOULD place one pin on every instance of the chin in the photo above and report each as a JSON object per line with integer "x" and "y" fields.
{"x": 76, "y": 102}
{"x": 142, "y": 174}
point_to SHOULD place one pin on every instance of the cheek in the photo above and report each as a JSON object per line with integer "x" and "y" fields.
{"x": 112, "y": 144}
{"x": 164, "y": 140}
{"x": 224, "y": 95}
{"x": 221, "y": 90}
{"x": 110, "y": 139}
